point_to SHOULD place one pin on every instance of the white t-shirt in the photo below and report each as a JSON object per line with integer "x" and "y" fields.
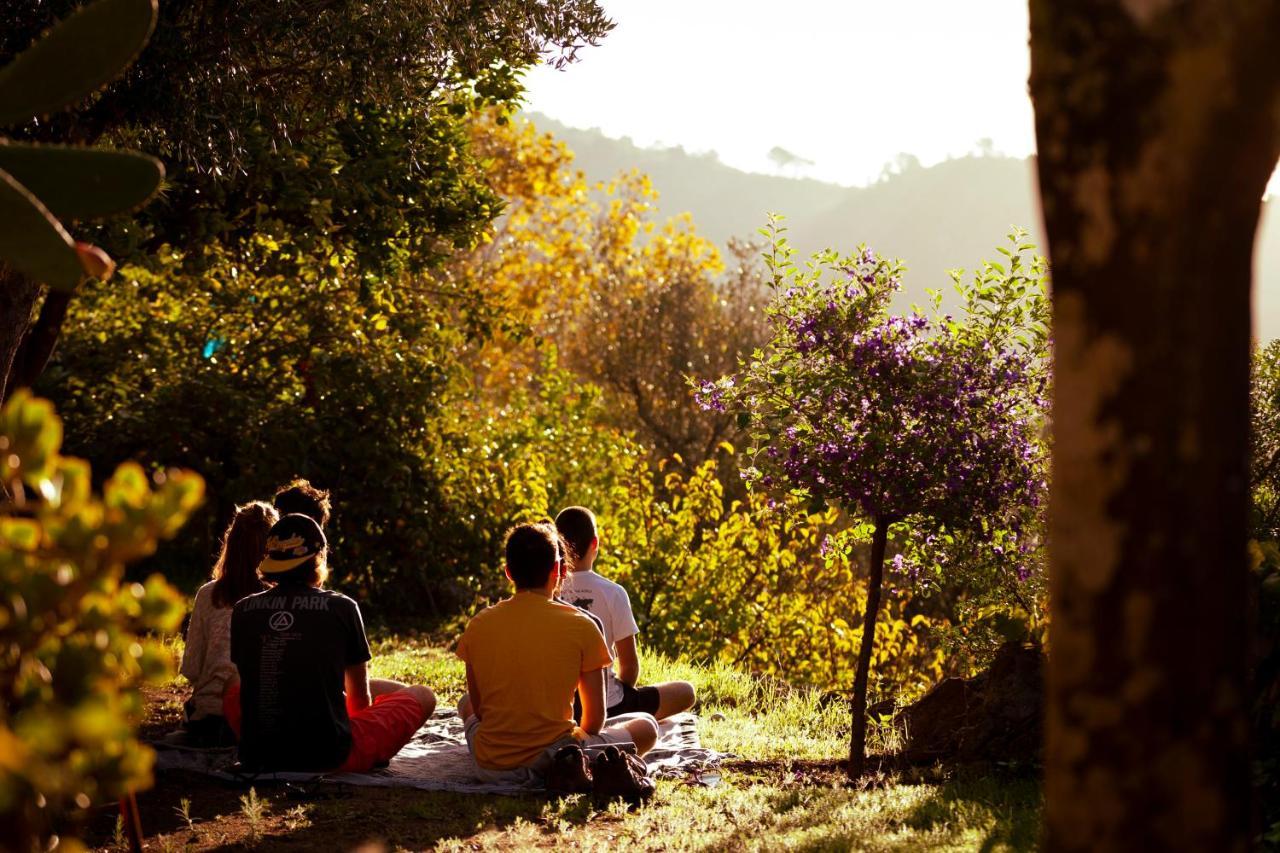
{"x": 611, "y": 605}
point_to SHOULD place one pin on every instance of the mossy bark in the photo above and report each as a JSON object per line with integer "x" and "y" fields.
{"x": 1157, "y": 126}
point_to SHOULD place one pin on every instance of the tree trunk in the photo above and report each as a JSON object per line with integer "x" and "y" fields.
{"x": 38, "y": 343}
{"x": 858, "y": 737}
{"x": 1157, "y": 128}
{"x": 18, "y": 295}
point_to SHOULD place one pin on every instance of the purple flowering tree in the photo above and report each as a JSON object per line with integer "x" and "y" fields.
{"x": 910, "y": 423}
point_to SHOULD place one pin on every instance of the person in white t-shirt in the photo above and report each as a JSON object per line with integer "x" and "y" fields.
{"x": 608, "y": 601}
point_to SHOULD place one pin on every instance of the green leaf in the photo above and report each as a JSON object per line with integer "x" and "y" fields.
{"x": 33, "y": 241}
{"x": 82, "y": 183}
{"x": 78, "y": 56}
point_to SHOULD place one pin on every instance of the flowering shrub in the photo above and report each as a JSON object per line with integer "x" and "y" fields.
{"x": 917, "y": 423}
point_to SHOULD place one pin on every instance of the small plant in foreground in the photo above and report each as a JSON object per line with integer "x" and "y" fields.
{"x": 254, "y": 810}
{"x": 183, "y": 810}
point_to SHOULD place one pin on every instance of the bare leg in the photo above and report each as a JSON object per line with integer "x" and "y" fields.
{"x": 464, "y": 706}
{"x": 382, "y": 686}
{"x": 640, "y": 729}
{"x": 426, "y": 698}
{"x": 674, "y": 697}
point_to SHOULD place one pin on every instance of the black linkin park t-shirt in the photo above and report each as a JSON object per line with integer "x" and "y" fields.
{"x": 292, "y": 645}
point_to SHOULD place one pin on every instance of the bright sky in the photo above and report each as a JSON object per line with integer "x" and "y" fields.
{"x": 848, "y": 84}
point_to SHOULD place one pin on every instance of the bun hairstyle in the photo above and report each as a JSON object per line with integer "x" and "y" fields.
{"x": 235, "y": 573}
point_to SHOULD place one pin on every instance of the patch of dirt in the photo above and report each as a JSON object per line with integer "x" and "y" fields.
{"x": 164, "y": 709}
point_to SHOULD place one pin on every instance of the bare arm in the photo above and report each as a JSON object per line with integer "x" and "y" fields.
{"x": 473, "y": 691}
{"x": 628, "y": 661}
{"x": 591, "y": 692}
{"x": 357, "y": 683}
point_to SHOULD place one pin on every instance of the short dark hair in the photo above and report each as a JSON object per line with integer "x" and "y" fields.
{"x": 300, "y": 496}
{"x": 577, "y": 525}
{"x": 532, "y": 551}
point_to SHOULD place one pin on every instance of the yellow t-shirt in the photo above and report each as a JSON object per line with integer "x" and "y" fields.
{"x": 527, "y": 653}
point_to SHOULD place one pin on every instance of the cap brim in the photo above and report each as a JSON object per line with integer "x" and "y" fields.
{"x": 275, "y": 567}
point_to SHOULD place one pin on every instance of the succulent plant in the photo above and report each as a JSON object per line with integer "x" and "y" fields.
{"x": 41, "y": 185}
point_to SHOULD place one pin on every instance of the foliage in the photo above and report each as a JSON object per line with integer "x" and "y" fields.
{"x": 73, "y": 632}
{"x": 273, "y": 362}
{"x": 391, "y": 190}
{"x": 294, "y": 65}
{"x": 40, "y": 184}
{"x": 899, "y": 418}
{"x": 731, "y": 581}
{"x": 1264, "y": 433}
{"x": 633, "y": 304}
{"x": 268, "y": 113}
{"x": 1265, "y": 582}
{"x": 917, "y": 421}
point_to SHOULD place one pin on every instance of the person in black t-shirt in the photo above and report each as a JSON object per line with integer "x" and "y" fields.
{"x": 304, "y": 700}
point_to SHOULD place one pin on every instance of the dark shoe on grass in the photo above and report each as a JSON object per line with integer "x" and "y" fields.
{"x": 620, "y": 775}
{"x": 569, "y": 773}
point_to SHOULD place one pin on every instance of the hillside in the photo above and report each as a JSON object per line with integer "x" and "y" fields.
{"x": 949, "y": 215}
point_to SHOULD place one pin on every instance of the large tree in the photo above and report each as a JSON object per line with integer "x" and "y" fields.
{"x": 220, "y": 76}
{"x": 1158, "y": 124}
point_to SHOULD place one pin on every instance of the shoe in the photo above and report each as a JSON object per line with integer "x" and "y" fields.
{"x": 568, "y": 773}
{"x": 620, "y": 775}
{"x": 179, "y": 738}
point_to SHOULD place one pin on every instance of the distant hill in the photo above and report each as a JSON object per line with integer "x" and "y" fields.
{"x": 937, "y": 218}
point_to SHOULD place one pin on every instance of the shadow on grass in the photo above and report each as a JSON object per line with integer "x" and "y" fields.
{"x": 324, "y": 817}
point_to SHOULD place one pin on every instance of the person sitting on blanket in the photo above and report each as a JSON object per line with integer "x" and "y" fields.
{"x": 304, "y": 700}
{"x": 206, "y": 657}
{"x": 607, "y": 600}
{"x": 524, "y": 657}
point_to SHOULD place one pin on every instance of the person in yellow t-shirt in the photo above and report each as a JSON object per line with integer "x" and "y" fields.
{"x": 525, "y": 656}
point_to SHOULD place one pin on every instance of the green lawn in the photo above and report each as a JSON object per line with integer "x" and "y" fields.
{"x": 783, "y": 790}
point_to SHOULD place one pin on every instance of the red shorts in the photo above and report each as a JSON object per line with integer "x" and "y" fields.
{"x": 378, "y": 732}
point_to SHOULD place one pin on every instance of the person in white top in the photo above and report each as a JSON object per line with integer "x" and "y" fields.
{"x": 608, "y": 601}
{"x": 206, "y": 659}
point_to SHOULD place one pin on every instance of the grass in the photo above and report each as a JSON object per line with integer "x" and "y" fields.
{"x": 783, "y": 790}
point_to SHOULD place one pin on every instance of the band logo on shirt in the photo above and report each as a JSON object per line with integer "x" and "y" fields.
{"x": 281, "y": 621}
{"x": 280, "y": 602}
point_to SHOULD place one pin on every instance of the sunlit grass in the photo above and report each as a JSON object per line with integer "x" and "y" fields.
{"x": 757, "y": 807}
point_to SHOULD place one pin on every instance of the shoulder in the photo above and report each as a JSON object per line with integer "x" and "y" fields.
{"x": 611, "y": 587}
{"x": 577, "y": 618}
{"x": 204, "y": 595}
{"x": 334, "y": 595}
{"x": 338, "y": 601}
{"x": 489, "y": 614}
{"x": 250, "y": 602}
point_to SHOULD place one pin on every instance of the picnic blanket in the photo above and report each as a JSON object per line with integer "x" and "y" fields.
{"x": 437, "y": 759}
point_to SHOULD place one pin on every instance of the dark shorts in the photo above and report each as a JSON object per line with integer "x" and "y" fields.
{"x": 636, "y": 700}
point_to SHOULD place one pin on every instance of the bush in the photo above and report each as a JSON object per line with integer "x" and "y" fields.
{"x": 75, "y": 638}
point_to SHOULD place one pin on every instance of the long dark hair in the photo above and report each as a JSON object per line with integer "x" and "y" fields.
{"x": 235, "y": 574}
